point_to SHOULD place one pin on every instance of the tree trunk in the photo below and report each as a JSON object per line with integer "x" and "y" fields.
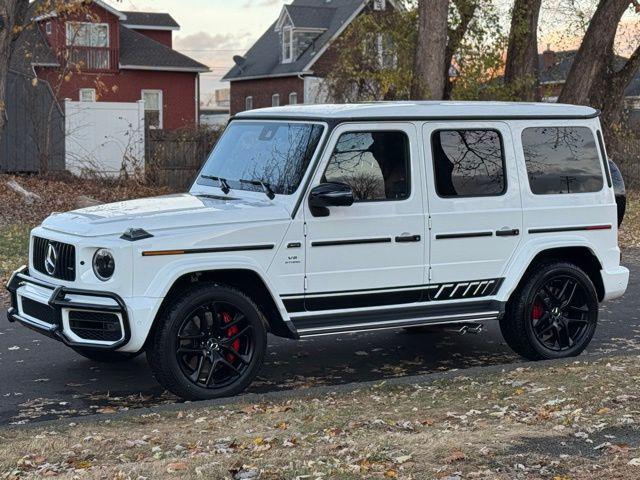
{"x": 467, "y": 10}
{"x": 594, "y": 58}
{"x": 429, "y": 76}
{"x": 12, "y": 15}
{"x": 522, "y": 67}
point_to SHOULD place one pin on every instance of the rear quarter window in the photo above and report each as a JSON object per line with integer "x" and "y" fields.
{"x": 562, "y": 160}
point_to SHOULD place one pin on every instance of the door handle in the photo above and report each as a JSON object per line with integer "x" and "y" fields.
{"x": 508, "y": 232}
{"x": 408, "y": 239}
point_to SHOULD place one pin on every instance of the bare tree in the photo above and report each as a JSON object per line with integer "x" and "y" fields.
{"x": 466, "y": 10}
{"x": 12, "y": 18}
{"x": 595, "y": 77}
{"x": 429, "y": 77}
{"x": 522, "y": 70}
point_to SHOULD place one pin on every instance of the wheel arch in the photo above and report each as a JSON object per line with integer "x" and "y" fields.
{"x": 244, "y": 279}
{"x": 581, "y": 255}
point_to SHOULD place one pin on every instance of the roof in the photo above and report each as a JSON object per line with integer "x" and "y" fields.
{"x": 559, "y": 71}
{"x": 137, "y": 50}
{"x": 151, "y": 21}
{"x": 263, "y": 58}
{"x": 426, "y": 110}
{"x": 305, "y": 16}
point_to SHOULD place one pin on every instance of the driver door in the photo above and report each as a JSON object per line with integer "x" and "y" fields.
{"x": 373, "y": 252}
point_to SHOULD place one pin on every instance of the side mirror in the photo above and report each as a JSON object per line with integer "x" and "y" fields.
{"x": 330, "y": 195}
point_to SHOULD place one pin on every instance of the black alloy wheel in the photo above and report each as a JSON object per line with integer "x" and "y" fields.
{"x": 209, "y": 343}
{"x": 552, "y": 314}
{"x": 560, "y": 313}
{"x": 215, "y": 345}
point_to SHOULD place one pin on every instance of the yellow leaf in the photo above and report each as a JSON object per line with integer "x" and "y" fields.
{"x": 34, "y": 82}
{"x": 391, "y": 474}
{"x": 519, "y": 391}
{"x": 603, "y": 411}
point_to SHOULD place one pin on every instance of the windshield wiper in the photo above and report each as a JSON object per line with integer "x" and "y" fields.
{"x": 224, "y": 185}
{"x": 266, "y": 188}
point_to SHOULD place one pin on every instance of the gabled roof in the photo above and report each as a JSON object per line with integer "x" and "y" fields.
{"x": 31, "y": 48}
{"x": 150, "y": 21}
{"x": 138, "y": 51}
{"x": 304, "y": 16}
{"x": 263, "y": 58}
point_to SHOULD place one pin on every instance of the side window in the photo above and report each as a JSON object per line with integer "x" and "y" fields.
{"x": 562, "y": 160}
{"x": 468, "y": 163}
{"x": 375, "y": 164}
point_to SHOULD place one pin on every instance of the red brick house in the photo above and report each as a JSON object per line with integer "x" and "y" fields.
{"x": 102, "y": 54}
{"x": 287, "y": 64}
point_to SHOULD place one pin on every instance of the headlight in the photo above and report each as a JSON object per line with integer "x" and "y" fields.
{"x": 103, "y": 264}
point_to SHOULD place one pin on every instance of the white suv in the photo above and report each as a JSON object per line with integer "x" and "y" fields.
{"x": 319, "y": 220}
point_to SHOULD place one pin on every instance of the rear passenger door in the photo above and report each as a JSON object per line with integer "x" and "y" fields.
{"x": 475, "y": 208}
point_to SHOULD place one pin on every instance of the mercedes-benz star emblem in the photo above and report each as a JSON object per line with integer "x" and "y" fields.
{"x": 51, "y": 260}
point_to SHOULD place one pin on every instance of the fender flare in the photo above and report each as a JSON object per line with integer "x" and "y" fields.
{"x": 517, "y": 267}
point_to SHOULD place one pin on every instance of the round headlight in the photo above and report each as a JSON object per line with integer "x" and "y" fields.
{"x": 103, "y": 264}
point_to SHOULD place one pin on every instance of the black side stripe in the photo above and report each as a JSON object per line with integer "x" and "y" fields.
{"x": 570, "y": 229}
{"x": 450, "y": 236}
{"x": 246, "y": 248}
{"x": 429, "y": 293}
{"x": 363, "y": 241}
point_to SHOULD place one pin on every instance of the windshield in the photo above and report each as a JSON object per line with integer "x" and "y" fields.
{"x": 274, "y": 153}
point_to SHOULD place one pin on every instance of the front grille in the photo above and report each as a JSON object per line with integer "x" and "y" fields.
{"x": 103, "y": 327}
{"x": 39, "y": 311}
{"x": 65, "y": 259}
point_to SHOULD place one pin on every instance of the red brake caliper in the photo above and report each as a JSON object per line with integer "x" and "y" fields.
{"x": 538, "y": 310}
{"x": 227, "y": 318}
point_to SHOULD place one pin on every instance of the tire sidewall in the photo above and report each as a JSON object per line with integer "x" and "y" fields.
{"x": 532, "y": 290}
{"x": 174, "y": 321}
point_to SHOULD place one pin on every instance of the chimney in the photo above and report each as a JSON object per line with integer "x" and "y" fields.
{"x": 548, "y": 58}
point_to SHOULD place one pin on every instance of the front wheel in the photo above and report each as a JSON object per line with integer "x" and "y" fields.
{"x": 553, "y": 315}
{"x": 210, "y": 344}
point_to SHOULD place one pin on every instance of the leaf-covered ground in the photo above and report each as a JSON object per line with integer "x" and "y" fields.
{"x": 573, "y": 421}
{"x": 59, "y": 194}
{"x": 630, "y": 231}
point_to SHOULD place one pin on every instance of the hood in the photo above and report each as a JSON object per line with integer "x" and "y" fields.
{"x": 163, "y": 213}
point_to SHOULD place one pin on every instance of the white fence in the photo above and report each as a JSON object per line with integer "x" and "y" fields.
{"x": 104, "y": 137}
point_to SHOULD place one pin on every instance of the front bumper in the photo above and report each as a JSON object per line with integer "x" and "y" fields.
{"x": 55, "y": 304}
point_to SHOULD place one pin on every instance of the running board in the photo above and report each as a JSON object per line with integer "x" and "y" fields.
{"x": 333, "y": 324}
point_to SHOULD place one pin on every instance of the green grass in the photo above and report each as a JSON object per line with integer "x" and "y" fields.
{"x": 14, "y": 249}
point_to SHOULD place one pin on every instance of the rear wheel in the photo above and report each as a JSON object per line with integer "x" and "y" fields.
{"x": 210, "y": 344}
{"x": 553, "y": 315}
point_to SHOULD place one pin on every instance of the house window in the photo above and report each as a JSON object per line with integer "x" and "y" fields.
{"x": 379, "y": 5}
{"x": 152, "y": 108}
{"x": 293, "y": 98}
{"x": 248, "y": 103}
{"x": 287, "y": 45}
{"x": 48, "y": 28}
{"x": 82, "y": 34}
{"x": 275, "y": 100}
{"x": 87, "y": 94}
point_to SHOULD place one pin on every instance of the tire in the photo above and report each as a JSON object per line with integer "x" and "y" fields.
{"x": 101, "y": 356}
{"x": 532, "y": 325}
{"x": 190, "y": 352}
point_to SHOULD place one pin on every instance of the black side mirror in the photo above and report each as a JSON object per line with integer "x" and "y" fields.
{"x": 330, "y": 195}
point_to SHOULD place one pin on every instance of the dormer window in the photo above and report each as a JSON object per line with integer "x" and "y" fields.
{"x": 287, "y": 45}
